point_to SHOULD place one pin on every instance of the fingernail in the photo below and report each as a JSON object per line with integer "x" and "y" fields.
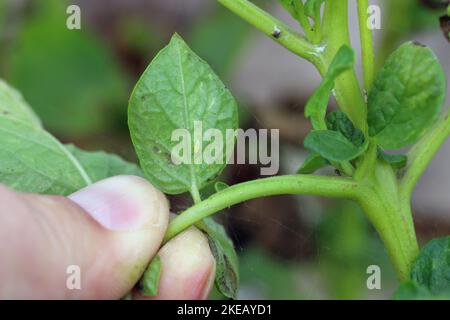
{"x": 123, "y": 203}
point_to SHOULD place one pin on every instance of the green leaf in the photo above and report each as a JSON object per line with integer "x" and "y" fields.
{"x": 69, "y": 77}
{"x": 397, "y": 161}
{"x": 407, "y": 96}
{"x": 100, "y": 165}
{"x": 148, "y": 285}
{"x": 338, "y": 121}
{"x": 312, "y": 163}
{"x": 219, "y": 186}
{"x": 432, "y": 267}
{"x": 316, "y": 106}
{"x": 227, "y": 265}
{"x": 332, "y": 145}
{"x": 13, "y": 105}
{"x": 176, "y": 91}
{"x": 312, "y": 8}
{"x": 32, "y": 160}
{"x": 411, "y": 290}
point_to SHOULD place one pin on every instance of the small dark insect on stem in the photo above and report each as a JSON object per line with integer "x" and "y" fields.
{"x": 276, "y": 33}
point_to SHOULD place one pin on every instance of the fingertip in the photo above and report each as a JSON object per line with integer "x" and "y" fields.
{"x": 188, "y": 267}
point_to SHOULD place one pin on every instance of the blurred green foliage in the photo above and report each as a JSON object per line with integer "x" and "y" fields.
{"x": 217, "y": 38}
{"x": 270, "y": 276}
{"x": 70, "y": 77}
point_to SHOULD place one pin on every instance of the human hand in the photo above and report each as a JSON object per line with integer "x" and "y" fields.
{"x": 111, "y": 230}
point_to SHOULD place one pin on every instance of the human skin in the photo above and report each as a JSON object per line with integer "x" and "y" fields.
{"x": 111, "y": 230}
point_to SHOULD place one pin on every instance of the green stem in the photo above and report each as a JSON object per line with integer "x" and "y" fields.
{"x": 294, "y": 184}
{"x": 367, "y": 52}
{"x": 303, "y": 20}
{"x": 391, "y": 216}
{"x": 347, "y": 91}
{"x": 420, "y": 156}
{"x": 277, "y": 30}
{"x": 196, "y": 195}
{"x": 366, "y": 166}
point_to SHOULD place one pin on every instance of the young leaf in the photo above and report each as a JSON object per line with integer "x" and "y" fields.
{"x": 13, "y": 105}
{"x": 338, "y": 121}
{"x": 316, "y": 106}
{"x": 312, "y": 163}
{"x": 397, "y": 161}
{"x": 177, "y": 91}
{"x": 407, "y": 96}
{"x": 227, "y": 266}
{"x": 332, "y": 145}
{"x": 432, "y": 267}
{"x": 148, "y": 285}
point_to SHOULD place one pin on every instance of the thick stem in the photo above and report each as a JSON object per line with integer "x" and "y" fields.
{"x": 390, "y": 213}
{"x": 295, "y": 184}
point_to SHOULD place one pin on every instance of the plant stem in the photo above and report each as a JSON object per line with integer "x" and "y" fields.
{"x": 347, "y": 91}
{"x": 390, "y": 214}
{"x": 423, "y": 152}
{"x": 303, "y": 20}
{"x": 367, "y": 52}
{"x": 277, "y": 30}
{"x": 294, "y": 184}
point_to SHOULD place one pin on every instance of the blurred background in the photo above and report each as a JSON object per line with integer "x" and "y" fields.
{"x": 79, "y": 81}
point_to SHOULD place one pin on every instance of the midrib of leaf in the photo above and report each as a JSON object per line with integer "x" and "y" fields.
{"x": 66, "y": 152}
{"x": 194, "y": 187}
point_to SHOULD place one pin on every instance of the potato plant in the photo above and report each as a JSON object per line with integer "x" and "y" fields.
{"x": 397, "y": 106}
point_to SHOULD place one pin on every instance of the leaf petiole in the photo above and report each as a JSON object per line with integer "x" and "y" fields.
{"x": 293, "y": 184}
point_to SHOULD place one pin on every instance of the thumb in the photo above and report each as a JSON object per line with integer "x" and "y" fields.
{"x": 105, "y": 233}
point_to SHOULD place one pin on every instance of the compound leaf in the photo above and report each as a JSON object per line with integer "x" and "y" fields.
{"x": 176, "y": 93}
{"x": 407, "y": 96}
